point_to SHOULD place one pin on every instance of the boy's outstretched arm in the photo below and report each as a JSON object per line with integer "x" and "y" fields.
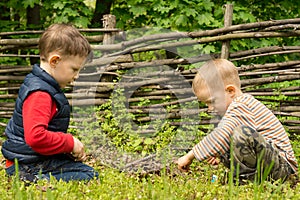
{"x": 185, "y": 161}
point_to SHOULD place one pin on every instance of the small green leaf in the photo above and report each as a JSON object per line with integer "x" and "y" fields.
{"x": 181, "y": 20}
{"x": 58, "y": 5}
{"x": 30, "y": 3}
{"x": 148, "y": 141}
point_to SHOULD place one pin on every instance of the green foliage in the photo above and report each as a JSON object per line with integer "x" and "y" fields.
{"x": 182, "y": 15}
{"x": 53, "y": 11}
{"x": 119, "y": 128}
{"x": 177, "y": 15}
{"x": 168, "y": 185}
{"x": 75, "y": 12}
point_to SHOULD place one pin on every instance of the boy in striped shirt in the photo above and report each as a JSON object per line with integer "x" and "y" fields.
{"x": 256, "y": 133}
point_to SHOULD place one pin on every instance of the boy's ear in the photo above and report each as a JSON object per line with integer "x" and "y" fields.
{"x": 231, "y": 90}
{"x": 54, "y": 59}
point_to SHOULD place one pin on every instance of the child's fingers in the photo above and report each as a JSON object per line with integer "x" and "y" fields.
{"x": 183, "y": 168}
{"x": 213, "y": 161}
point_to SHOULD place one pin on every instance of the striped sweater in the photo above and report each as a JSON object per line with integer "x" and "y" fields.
{"x": 246, "y": 110}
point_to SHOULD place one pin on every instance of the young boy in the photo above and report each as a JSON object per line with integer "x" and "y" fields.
{"x": 36, "y": 133}
{"x": 255, "y": 131}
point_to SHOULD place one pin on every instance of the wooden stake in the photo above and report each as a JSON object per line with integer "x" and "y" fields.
{"x": 227, "y": 23}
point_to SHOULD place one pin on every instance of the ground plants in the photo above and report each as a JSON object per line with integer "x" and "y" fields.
{"x": 169, "y": 184}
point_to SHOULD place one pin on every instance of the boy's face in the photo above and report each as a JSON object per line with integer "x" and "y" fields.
{"x": 65, "y": 69}
{"x": 216, "y": 101}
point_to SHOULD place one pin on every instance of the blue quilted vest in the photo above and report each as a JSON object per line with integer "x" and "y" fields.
{"x": 15, "y": 145}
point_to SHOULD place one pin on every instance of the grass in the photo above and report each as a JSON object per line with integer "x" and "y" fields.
{"x": 113, "y": 184}
{"x": 168, "y": 185}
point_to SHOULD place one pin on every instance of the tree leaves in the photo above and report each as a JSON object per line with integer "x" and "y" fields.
{"x": 30, "y": 3}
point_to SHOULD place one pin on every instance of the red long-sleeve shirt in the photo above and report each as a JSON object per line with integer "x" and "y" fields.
{"x": 38, "y": 109}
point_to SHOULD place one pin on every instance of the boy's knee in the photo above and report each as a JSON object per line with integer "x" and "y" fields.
{"x": 242, "y": 133}
{"x": 244, "y": 130}
{"x": 245, "y": 136}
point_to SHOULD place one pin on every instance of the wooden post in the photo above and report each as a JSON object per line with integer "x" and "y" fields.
{"x": 227, "y": 22}
{"x": 109, "y": 22}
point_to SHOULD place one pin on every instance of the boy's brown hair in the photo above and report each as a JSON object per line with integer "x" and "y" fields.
{"x": 215, "y": 74}
{"x": 65, "y": 39}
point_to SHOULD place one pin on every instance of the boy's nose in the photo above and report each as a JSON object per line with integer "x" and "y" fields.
{"x": 76, "y": 76}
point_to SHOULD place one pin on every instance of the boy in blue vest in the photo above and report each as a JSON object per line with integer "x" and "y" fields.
{"x": 37, "y": 132}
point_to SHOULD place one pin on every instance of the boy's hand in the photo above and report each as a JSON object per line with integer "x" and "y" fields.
{"x": 213, "y": 161}
{"x": 78, "y": 150}
{"x": 185, "y": 161}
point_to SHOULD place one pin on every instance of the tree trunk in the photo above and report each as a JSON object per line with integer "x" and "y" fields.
{"x": 4, "y": 14}
{"x": 33, "y": 22}
{"x": 102, "y": 8}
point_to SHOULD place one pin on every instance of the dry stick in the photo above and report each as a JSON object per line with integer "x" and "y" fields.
{"x": 296, "y": 70}
{"x": 247, "y": 26}
{"x": 19, "y": 55}
{"x": 287, "y": 114}
{"x": 160, "y": 110}
{"x": 124, "y": 46}
{"x": 128, "y": 84}
{"x": 266, "y": 54}
{"x": 86, "y": 102}
{"x": 8, "y": 96}
{"x": 16, "y": 47}
{"x": 281, "y": 27}
{"x": 268, "y": 65}
{"x": 166, "y": 103}
{"x": 169, "y": 115}
{"x": 218, "y": 38}
{"x": 98, "y": 84}
{"x": 138, "y": 161}
{"x": 160, "y": 92}
{"x": 165, "y": 73}
{"x": 290, "y": 121}
{"x": 24, "y": 44}
{"x": 12, "y": 66}
{"x": 35, "y": 41}
{"x": 9, "y": 88}
{"x": 10, "y": 77}
{"x": 289, "y": 108}
{"x": 146, "y": 64}
{"x": 32, "y": 32}
{"x": 291, "y": 88}
{"x": 16, "y": 69}
{"x": 207, "y": 40}
{"x": 262, "y": 50}
{"x": 227, "y": 23}
{"x": 104, "y": 63}
{"x": 273, "y": 93}
{"x": 82, "y": 95}
{"x": 138, "y": 99}
{"x": 272, "y": 79}
{"x": 175, "y": 35}
{"x": 31, "y": 41}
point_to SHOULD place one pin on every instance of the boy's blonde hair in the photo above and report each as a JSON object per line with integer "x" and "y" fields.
{"x": 215, "y": 74}
{"x": 65, "y": 39}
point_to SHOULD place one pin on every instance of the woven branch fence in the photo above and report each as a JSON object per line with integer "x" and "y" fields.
{"x": 158, "y": 87}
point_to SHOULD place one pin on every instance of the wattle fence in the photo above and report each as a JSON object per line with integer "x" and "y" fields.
{"x": 154, "y": 69}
